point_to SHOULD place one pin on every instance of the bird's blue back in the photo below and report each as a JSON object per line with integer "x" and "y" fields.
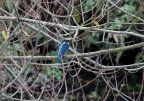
{"x": 64, "y": 46}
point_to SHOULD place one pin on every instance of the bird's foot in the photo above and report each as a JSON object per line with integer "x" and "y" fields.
{"x": 64, "y": 54}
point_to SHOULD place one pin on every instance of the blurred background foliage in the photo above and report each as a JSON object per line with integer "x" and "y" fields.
{"x": 87, "y": 13}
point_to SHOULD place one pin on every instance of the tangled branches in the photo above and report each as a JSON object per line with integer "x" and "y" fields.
{"x": 106, "y": 50}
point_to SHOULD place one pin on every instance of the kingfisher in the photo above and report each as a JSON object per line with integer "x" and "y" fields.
{"x": 64, "y": 46}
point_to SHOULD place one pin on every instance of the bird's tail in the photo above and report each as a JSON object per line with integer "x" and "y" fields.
{"x": 59, "y": 57}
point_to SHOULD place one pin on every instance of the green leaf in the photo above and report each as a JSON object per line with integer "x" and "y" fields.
{"x": 77, "y": 15}
{"x": 18, "y": 47}
{"x": 54, "y": 72}
{"x": 43, "y": 76}
{"x": 11, "y": 50}
{"x": 89, "y": 42}
{"x": 128, "y": 8}
{"x": 8, "y": 4}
